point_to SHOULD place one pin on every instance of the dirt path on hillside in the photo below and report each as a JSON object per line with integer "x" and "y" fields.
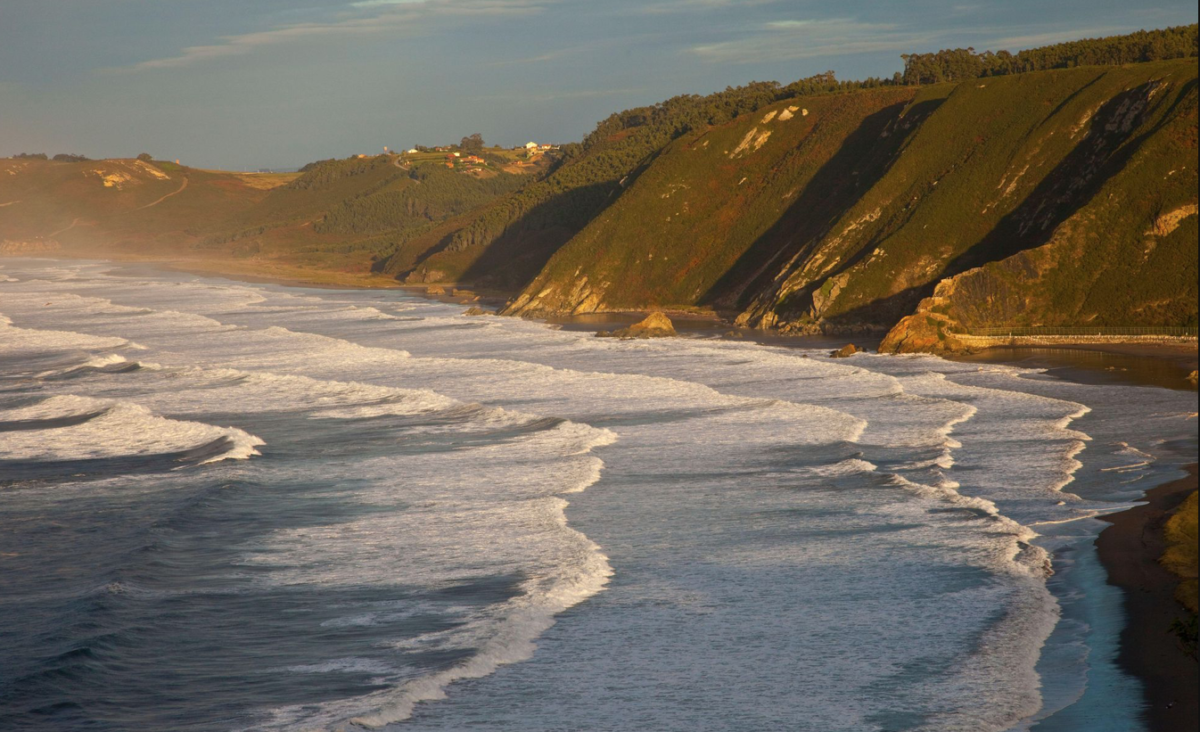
{"x": 64, "y": 229}
{"x": 2, "y": 205}
{"x": 173, "y": 193}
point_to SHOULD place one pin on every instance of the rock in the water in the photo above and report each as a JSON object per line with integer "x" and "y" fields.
{"x": 845, "y": 351}
{"x": 656, "y": 325}
{"x": 435, "y": 290}
{"x": 1194, "y": 377}
{"x": 476, "y": 310}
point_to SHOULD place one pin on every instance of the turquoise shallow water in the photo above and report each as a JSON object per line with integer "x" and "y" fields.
{"x": 241, "y": 506}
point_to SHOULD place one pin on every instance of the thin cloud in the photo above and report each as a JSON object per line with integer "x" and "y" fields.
{"x": 692, "y": 6}
{"x": 561, "y": 95}
{"x": 390, "y": 16}
{"x": 791, "y": 39}
{"x": 1017, "y": 42}
{"x": 378, "y": 3}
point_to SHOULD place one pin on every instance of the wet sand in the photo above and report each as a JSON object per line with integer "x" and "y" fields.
{"x": 1140, "y": 364}
{"x": 1130, "y": 550}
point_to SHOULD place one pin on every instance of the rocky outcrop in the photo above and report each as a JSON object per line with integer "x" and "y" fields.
{"x": 845, "y": 351}
{"x": 922, "y": 333}
{"x": 1166, "y": 224}
{"x": 582, "y": 299}
{"x": 424, "y": 276}
{"x": 655, "y": 325}
{"x": 929, "y": 329}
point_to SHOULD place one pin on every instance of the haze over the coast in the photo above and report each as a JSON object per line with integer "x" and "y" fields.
{"x": 531, "y": 365}
{"x": 278, "y": 83}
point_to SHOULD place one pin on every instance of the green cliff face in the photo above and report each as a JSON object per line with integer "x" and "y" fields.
{"x": 1125, "y": 256}
{"x": 506, "y": 244}
{"x": 719, "y": 207}
{"x": 994, "y": 172}
{"x": 1060, "y": 197}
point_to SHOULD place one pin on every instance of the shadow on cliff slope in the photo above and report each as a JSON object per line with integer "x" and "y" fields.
{"x": 1103, "y": 153}
{"x": 514, "y": 259}
{"x": 865, "y": 157}
{"x": 1078, "y": 177}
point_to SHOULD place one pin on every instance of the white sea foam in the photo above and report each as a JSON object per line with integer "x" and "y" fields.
{"x": 531, "y": 472}
{"x": 845, "y": 467}
{"x": 117, "y": 429}
{"x": 343, "y": 666}
{"x": 22, "y": 342}
{"x": 922, "y": 512}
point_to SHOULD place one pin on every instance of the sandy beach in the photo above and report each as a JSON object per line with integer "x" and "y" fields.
{"x": 1130, "y": 550}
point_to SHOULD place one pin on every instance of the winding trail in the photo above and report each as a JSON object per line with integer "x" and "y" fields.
{"x": 64, "y": 229}
{"x": 172, "y": 193}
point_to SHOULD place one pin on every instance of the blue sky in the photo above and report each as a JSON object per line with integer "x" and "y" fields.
{"x": 244, "y": 84}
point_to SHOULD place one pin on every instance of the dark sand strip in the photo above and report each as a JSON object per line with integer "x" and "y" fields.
{"x": 1130, "y": 549}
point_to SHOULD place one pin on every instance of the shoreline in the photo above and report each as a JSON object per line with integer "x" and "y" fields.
{"x": 1130, "y": 549}
{"x": 1128, "y": 363}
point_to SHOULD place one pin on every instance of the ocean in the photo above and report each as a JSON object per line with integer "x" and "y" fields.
{"x": 232, "y": 506}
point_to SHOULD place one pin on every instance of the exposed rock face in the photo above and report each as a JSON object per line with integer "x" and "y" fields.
{"x": 921, "y": 333}
{"x": 845, "y": 351}
{"x": 927, "y": 330}
{"x": 1166, "y": 224}
{"x": 656, "y": 325}
{"x": 582, "y": 298}
{"x": 475, "y": 310}
{"x": 423, "y": 276}
{"x": 435, "y": 291}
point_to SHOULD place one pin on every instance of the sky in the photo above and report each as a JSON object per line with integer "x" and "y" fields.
{"x": 251, "y": 84}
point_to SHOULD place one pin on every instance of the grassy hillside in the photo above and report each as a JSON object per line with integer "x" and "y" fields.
{"x": 846, "y": 218}
{"x": 992, "y": 173}
{"x": 722, "y": 205}
{"x": 338, "y": 216}
{"x": 505, "y": 245}
{"x": 1181, "y": 555}
{"x": 1125, "y": 256}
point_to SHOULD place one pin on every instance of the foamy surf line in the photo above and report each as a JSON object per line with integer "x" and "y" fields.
{"x": 102, "y": 429}
{"x": 941, "y": 423}
{"x": 513, "y": 639}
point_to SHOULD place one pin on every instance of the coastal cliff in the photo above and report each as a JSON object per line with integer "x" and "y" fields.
{"x": 1058, "y": 198}
{"x": 1051, "y": 189}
